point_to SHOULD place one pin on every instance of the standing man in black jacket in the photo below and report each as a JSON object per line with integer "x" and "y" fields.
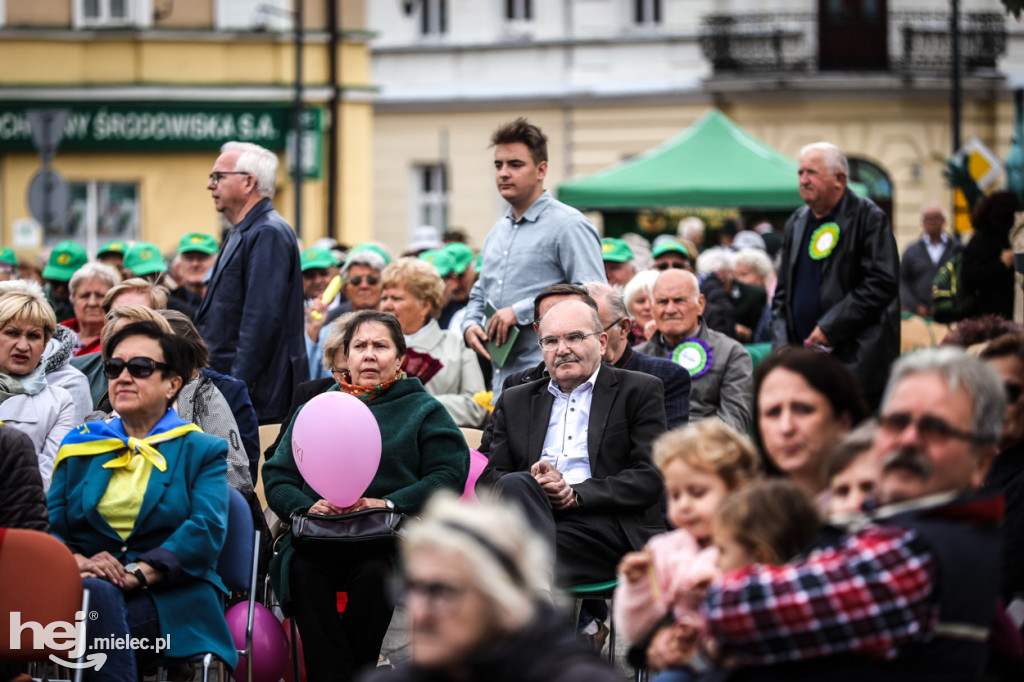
{"x": 838, "y": 284}
{"x": 922, "y": 260}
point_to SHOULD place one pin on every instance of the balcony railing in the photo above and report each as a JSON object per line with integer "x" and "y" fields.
{"x": 917, "y": 42}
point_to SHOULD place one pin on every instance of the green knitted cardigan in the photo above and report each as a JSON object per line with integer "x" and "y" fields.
{"x": 422, "y": 451}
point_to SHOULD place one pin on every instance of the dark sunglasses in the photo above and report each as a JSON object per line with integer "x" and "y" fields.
{"x": 1013, "y": 391}
{"x": 138, "y": 367}
{"x": 675, "y": 265}
{"x": 370, "y": 279}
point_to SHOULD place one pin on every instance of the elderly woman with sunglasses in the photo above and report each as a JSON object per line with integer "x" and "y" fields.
{"x": 142, "y": 502}
{"x": 43, "y": 412}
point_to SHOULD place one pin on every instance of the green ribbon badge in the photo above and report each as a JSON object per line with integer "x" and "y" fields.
{"x": 823, "y": 241}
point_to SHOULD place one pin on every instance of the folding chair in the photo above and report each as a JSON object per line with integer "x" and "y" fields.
{"x": 237, "y": 567}
{"x": 40, "y": 580}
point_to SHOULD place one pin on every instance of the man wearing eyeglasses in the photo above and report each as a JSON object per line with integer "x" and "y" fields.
{"x": 252, "y": 314}
{"x": 912, "y": 594}
{"x": 573, "y": 450}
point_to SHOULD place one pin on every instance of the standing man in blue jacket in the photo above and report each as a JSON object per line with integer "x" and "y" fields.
{"x": 251, "y": 316}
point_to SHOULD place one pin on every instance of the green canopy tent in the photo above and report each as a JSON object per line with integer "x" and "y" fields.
{"x": 714, "y": 162}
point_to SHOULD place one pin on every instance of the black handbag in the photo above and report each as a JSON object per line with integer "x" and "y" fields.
{"x": 377, "y": 526}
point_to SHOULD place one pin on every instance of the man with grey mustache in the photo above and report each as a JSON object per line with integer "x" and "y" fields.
{"x": 912, "y": 593}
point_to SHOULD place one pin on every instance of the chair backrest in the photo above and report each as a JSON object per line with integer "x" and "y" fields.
{"x": 39, "y": 578}
{"x": 234, "y": 566}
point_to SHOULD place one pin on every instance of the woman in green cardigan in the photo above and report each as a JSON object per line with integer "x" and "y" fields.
{"x": 422, "y": 451}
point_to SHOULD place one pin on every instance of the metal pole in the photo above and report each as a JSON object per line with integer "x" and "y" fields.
{"x": 298, "y": 118}
{"x": 333, "y": 122}
{"x": 954, "y": 94}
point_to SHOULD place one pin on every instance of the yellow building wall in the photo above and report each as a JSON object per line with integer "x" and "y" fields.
{"x": 39, "y": 13}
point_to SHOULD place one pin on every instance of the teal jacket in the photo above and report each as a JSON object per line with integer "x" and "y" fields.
{"x": 181, "y": 527}
{"x": 422, "y": 451}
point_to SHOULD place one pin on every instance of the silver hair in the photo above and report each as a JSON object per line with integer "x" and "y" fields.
{"x": 643, "y": 282}
{"x": 689, "y": 275}
{"x": 714, "y": 260}
{"x": 511, "y": 566}
{"x": 835, "y": 160}
{"x": 368, "y": 258}
{"x": 595, "y": 319}
{"x": 689, "y": 227}
{"x": 260, "y": 162}
{"x": 612, "y": 297}
{"x": 91, "y": 270}
{"x": 21, "y": 286}
{"x": 758, "y": 261}
{"x": 957, "y": 368}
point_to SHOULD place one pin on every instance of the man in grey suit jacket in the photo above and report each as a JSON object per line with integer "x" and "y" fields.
{"x": 573, "y": 450}
{"x": 922, "y": 260}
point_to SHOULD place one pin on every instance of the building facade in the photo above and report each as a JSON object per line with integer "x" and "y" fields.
{"x": 610, "y": 79}
{"x": 150, "y": 90}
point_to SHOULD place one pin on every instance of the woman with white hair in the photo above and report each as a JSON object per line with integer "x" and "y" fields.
{"x": 754, "y": 268}
{"x": 477, "y": 582}
{"x": 639, "y": 297}
{"x": 88, "y": 286}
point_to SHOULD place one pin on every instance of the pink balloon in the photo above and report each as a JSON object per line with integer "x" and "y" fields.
{"x": 270, "y": 652}
{"x": 336, "y": 445}
{"x": 477, "y": 462}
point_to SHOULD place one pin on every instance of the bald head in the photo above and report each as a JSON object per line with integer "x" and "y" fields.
{"x": 933, "y": 220}
{"x": 572, "y": 342}
{"x": 677, "y": 305}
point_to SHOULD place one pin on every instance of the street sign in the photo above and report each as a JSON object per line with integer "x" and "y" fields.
{"x": 48, "y": 198}
{"x": 47, "y": 128}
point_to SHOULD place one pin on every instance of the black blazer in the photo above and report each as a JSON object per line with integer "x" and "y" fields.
{"x": 626, "y": 414}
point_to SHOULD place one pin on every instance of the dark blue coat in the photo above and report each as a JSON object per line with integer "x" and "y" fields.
{"x": 252, "y": 314}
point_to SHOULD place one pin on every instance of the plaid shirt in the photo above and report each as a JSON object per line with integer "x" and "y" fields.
{"x": 868, "y": 596}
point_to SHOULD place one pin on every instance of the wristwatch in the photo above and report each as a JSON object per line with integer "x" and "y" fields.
{"x": 389, "y": 504}
{"x": 136, "y": 570}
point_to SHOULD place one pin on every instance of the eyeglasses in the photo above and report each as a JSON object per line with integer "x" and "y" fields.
{"x": 674, "y": 265}
{"x": 439, "y": 596}
{"x": 358, "y": 280}
{"x": 1013, "y": 391}
{"x": 614, "y": 323}
{"x": 549, "y": 343}
{"x": 217, "y": 176}
{"x": 138, "y": 367}
{"x": 934, "y": 430}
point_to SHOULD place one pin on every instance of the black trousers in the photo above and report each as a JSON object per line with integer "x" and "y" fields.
{"x": 336, "y": 648}
{"x": 587, "y": 546}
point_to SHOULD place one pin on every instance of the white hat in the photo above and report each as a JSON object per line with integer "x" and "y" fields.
{"x": 425, "y": 237}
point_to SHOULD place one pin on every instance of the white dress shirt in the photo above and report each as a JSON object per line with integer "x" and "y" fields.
{"x": 565, "y": 444}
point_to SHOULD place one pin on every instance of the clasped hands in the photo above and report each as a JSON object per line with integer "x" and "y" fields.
{"x": 328, "y": 509}
{"x": 560, "y": 493}
{"x": 105, "y": 567}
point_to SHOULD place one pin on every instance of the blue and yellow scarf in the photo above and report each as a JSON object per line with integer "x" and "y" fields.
{"x": 99, "y": 437}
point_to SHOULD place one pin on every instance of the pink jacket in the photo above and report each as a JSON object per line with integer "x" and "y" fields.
{"x": 680, "y": 572}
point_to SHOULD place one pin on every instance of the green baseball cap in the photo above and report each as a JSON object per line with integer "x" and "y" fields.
{"x": 144, "y": 259}
{"x": 369, "y": 247}
{"x": 462, "y": 254}
{"x": 668, "y": 245}
{"x": 116, "y": 246}
{"x": 65, "y": 259}
{"x": 197, "y": 241}
{"x": 616, "y": 250}
{"x": 316, "y": 257}
{"x": 479, "y": 265}
{"x": 7, "y": 256}
{"x": 440, "y": 259}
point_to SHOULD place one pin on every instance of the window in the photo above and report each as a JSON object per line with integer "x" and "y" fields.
{"x": 434, "y": 20}
{"x": 430, "y": 196}
{"x": 99, "y": 212}
{"x": 113, "y": 13}
{"x": 519, "y": 10}
{"x": 647, "y": 12}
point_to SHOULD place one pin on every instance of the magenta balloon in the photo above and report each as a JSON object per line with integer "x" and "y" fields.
{"x": 336, "y": 444}
{"x": 270, "y": 654}
{"x": 477, "y": 462}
